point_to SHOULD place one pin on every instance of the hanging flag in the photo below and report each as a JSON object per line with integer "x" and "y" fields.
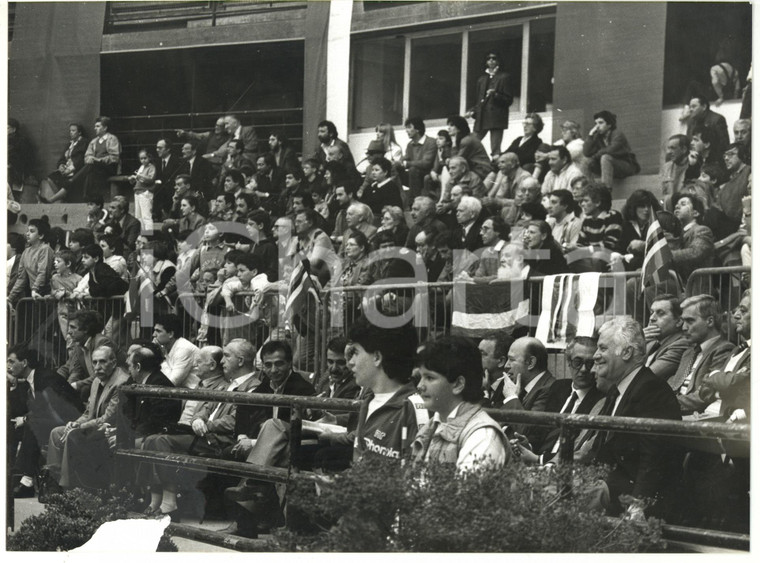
{"x": 658, "y": 258}
{"x": 480, "y": 308}
{"x": 302, "y": 284}
{"x": 567, "y": 308}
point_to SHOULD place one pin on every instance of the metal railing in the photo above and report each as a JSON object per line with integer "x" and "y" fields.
{"x": 569, "y": 425}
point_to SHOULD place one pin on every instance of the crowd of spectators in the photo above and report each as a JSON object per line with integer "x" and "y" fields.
{"x": 231, "y": 220}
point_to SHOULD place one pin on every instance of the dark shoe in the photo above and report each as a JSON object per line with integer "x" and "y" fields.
{"x": 22, "y": 491}
{"x": 174, "y": 515}
{"x": 240, "y": 530}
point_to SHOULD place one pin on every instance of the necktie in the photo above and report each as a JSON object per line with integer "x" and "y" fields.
{"x": 652, "y": 351}
{"x": 609, "y": 402}
{"x": 692, "y": 362}
{"x": 571, "y": 403}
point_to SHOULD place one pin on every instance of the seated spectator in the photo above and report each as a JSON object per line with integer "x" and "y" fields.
{"x": 743, "y": 133}
{"x": 35, "y": 264}
{"x": 572, "y": 140}
{"x": 223, "y": 208}
{"x": 576, "y": 394}
{"x": 198, "y": 170}
{"x": 327, "y": 134}
{"x": 447, "y": 210}
{"x": 344, "y": 197}
{"x": 494, "y": 347}
{"x": 210, "y": 255}
{"x": 207, "y": 367}
{"x": 97, "y": 216}
{"x": 234, "y": 183}
{"x": 566, "y": 227}
{"x": 695, "y": 247}
{"x": 638, "y": 214}
{"x": 143, "y": 181}
{"x": 49, "y": 401}
{"x": 501, "y": 186}
{"x": 423, "y": 214}
{"x": 543, "y": 255}
{"x": 157, "y": 273}
{"x": 526, "y": 193}
{"x": 185, "y": 255}
{"x": 428, "y": 253}
{"x": 16, "y": 243}
{"x": 213, "y": 422}
{"x": 494, "y": 233}
{"x": 101, "y": 159}
{"x": 666, "y": 342}
{"x": 460, "y": 432}
{"x": 700, "y": 116}
{"x": 284, "y": 155}
{"x": 673, "y": 170}
{"x": 461, "y": 175}
{"x": 178, "y": 353}
{"x": 468, "y": 146}
{"x": 393, "y": 220}
{"x": 78, "y": 453}
{"x": 235, "y": 159}
{"x": 708, "y": 351}
{"x": 359, "y": 218}
{"x": 384, "y": 189}
{"x": 244, "y": 204}
{"x": 436, "y": 177}
{"x": 562, "y": 171}
{"x": 526, "y": 145}
{"x": 269, "y": 180}
{"x": 112, "y": 255}
{"x": 731, "y": 193}
{"x": 130, "y": 226}
{"x": 607, "y": 148}
{"x": 59, "y": 183}
{"x": 469, "y": 220}
{"x": 601, "y": 229}
{"x": 703, "y": 148}
{"x": 391, "y": 149}
{"x": 191, "y": 220}
{"x": 340, "y": 382}
{"x": 211, "y": 141}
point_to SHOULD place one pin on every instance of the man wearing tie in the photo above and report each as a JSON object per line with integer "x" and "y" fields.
{"x": 577, "y": 394}
{"x": 494, "y": 348}
{"x": 167, "y": 168}
{"x": 642, "y": 465}
{"x": 666, "y": 342}
{"x": 709, "y": 351}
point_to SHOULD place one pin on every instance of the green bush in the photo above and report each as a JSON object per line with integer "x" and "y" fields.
{"x": 71, "y": 518}
{"x": 378, "y": 506}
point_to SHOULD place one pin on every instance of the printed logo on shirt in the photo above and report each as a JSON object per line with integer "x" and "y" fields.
{"x": 381, "y": 450}
{"x": 379, "y": 434}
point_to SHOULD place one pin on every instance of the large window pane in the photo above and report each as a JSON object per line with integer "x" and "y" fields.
{"x": 507, "y": 42}
{"x": 541, "y": 64}
{"x": 435, "y": 76}
{"x": 696, "y": 36}
{"x": 378, "y": 82}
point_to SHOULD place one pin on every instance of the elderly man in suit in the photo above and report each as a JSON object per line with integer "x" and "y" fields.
{"x": 70, "y": 446}
{"x": 469, "y": 220}
{"x": 666, "y": 342}
{"x": 642, "y": 465}
{"x": 130, "y": 226}
{"x": 709, "y": 350}
{"x": 577, "y": 394}
{"x": 211, "y": 429}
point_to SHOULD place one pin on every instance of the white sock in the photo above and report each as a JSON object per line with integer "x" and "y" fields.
{"x": 169, "y": 501}
{"x": 27, "y": 481}
{"x": 155, "y": 499}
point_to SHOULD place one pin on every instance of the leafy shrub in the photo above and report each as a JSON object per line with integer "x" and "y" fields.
{"x": 71, "y": 518}
{"x": 381, "y": 506}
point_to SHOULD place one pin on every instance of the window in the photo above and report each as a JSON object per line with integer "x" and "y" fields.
{"x": 696, "y": 36}
{"x": 507, "y": 41}
{"x": 378, "y": 79}
{"x": 435, "y": 76}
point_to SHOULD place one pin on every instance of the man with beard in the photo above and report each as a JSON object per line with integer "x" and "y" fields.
{"x": 327, "y": 134}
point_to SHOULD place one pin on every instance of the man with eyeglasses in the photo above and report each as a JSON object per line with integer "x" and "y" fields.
{"x": 731, "y": 193}
{"x": 577, "y": 394}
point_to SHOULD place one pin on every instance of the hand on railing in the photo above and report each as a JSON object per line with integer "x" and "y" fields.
{"x": 37, "y": 296}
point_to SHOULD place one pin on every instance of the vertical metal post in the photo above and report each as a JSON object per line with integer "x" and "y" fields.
{"x": 567, "y": 436}
{"x": 296, "y": 416}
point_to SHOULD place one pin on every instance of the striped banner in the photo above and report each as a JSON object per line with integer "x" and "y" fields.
{"x": 302, "y": 284}
{"x": 657, "y": 257}
{"x": 567, "y": 308}
{"x": 483, "y": 308}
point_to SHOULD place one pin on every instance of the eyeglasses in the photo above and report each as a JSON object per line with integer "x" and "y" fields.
{"x": 491, "y": 58}
{"x": 578, "y": 363}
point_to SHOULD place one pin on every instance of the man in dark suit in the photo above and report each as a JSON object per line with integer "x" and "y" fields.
{"x": 469, "y": 220}
{"x": 237, "y": 131}
{"x": 701, "y": 116}
{"x": 199, "y": 169}
{"x": 419, "y": 154}
{"x": 709, "y": 350}
{"x": 666, "y": 342}
{"x": 167, "y": 168}
{"x": 575, "y": 395}
{"x": 642, "y": 465}
{"x": 494, "y": 348}
{"x": 50, "y": 402}
{"x": 527, "y": 364}
{"x": 130, "y": 226}
{"x": 696, "y": 248}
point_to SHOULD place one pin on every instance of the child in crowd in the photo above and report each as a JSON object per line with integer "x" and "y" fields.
{"x": 97, "y": 215}
{"x": 62, "y": 285}
{"x": 186, "y": 253}
{"x": 318, "y": 194}
{"x": 35, "y": 264}
{"x": 113, "y": 249}
{"x": 143, "y": 182}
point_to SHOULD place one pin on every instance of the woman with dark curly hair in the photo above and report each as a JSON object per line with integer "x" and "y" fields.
{"x": 468, "y": 146}
{"x": 608, "y": 150}
{"x": 638, "y": 214}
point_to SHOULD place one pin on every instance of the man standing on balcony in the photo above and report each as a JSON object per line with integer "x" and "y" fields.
{"x": 101, "y": 160}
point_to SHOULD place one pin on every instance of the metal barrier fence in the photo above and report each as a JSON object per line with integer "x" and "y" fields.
{"x": 43, "y": 323}
{"x": 731, "y": 437}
